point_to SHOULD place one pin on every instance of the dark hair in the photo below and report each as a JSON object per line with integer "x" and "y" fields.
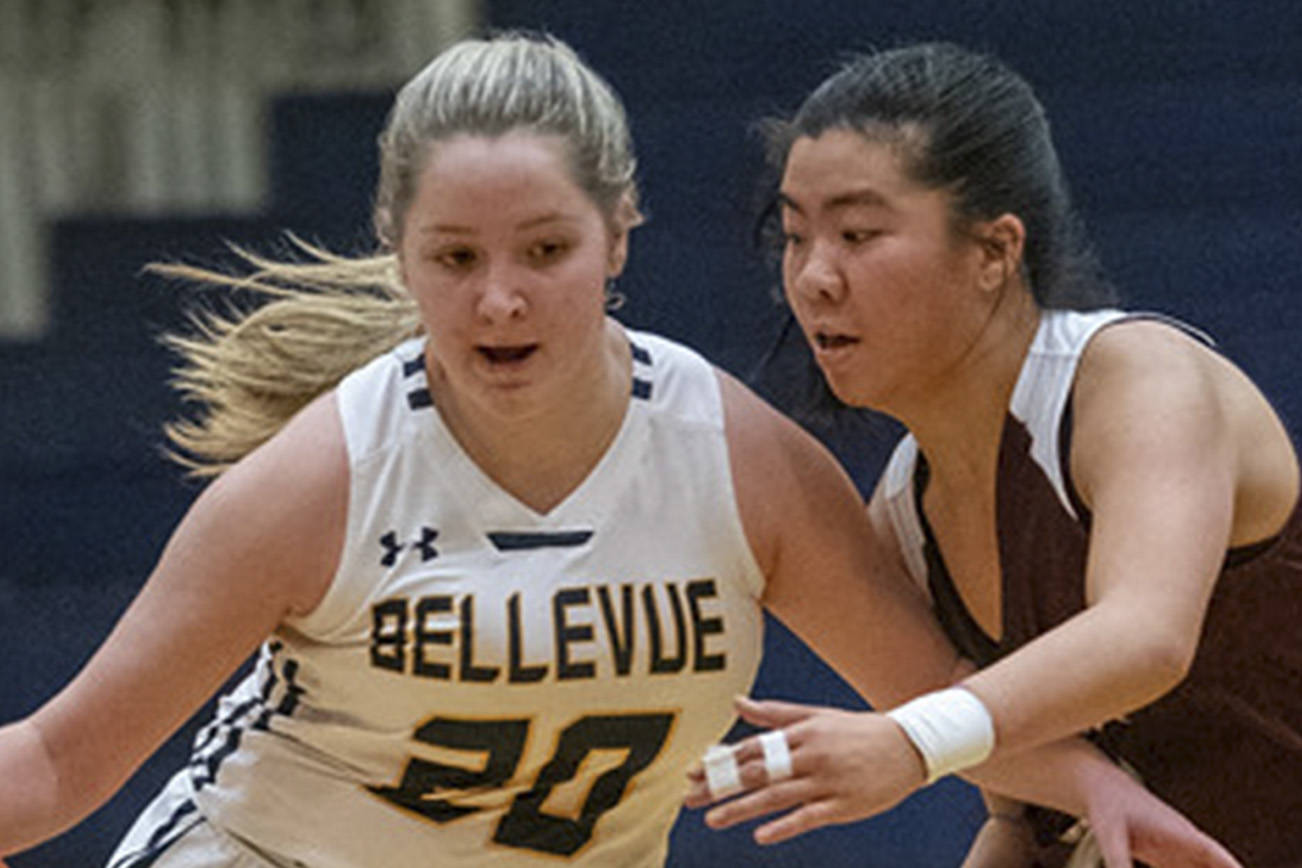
{"x": 966, "y": 123}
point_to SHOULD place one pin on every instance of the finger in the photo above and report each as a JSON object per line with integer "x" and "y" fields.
{"x": 749, "y": 755}
{"x": 1206, "y": 852}
{"x": 1223, "y": 859}
{"x": 710, "y": 780}
{"x": 1219, "y": 857}
{"x": 753, "y": 772}
{"x": 752, "y": 776}
{"x": 772, "y": 713}
{"x": 804, "y": 819}
{"x": 698, "y": 795}
{"x": 1114, "y": 845}
{"x": 767, "y": 800}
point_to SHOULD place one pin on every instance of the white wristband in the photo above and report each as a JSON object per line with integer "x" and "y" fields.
{"x": 950, "y": 728}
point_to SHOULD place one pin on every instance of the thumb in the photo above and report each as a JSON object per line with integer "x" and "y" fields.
{"x": 772, "y": 713}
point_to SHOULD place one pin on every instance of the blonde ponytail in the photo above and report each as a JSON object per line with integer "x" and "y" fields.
{"x": 250, "y": 371}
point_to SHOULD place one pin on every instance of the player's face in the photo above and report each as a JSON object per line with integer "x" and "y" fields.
{"x": 508, "y": 259}
{"x": 876, "y": 275}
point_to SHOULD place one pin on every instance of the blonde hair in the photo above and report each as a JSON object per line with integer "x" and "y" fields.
{"x": 249, "y": 371}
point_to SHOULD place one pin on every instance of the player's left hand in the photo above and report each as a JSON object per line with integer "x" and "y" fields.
{"x": 846, "y": 766}
{"x": 1129, "y": 823}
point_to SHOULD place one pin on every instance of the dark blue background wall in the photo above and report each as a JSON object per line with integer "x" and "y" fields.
{"x": 1180, "y": 125}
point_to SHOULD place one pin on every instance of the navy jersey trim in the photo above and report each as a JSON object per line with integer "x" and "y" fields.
{"x": 419, "y": 399}
{"x": 204, "y": 768}
{"x": 506, "y": 541}
{"x": 412, "y": 367}
{"x": 162, "y": 838}
{"x": 641, "y": 389}
{"x": 225, "y": 733}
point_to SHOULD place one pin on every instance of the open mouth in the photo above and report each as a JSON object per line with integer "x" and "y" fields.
{"x": 829, "y": 341}
{"x": 507, "y": 355}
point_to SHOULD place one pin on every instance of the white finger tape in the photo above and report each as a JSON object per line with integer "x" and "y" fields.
{"x": 777, "y": 755}
{"x": 721, "y": 773}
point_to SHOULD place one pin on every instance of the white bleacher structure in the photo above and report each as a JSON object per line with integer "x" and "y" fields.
{"x": 158, "y": 107}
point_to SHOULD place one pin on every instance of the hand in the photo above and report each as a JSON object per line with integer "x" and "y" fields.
{"x": 846, "y": 766}
{"x": 1131, "y": 823}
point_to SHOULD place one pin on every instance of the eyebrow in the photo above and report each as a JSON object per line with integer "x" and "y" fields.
{"x": 862, "y": 197}
{"x": 458, "y": 229}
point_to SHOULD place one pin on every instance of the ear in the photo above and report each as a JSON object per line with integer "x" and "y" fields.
{"x": 618, "y": 254}
{"x": 626, "y": 218}
{"x": 1002, "y": 242}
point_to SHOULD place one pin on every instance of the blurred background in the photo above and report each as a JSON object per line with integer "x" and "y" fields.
{"x": 138, "y": 130}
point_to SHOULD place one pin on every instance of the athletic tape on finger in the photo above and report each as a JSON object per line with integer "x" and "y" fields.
{"x": 722, "y": 776}
{"x": 777, "y": 755}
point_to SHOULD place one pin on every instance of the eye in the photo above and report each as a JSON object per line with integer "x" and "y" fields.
{"x": 456, "y": 258}
{"x": 547, "y": 251}
{"x": 855, "y": 237}
{"x": 791, "y": 238}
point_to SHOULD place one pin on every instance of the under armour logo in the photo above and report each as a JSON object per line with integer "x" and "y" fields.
{"x": 425, "y": 545}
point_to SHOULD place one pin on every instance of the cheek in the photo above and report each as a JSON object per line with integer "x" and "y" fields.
{"x": 580, "y": 288}
{"x": 434, "y": 299}
{"x": 908, "y": 281}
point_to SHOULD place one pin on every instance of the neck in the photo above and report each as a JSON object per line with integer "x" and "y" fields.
{"x": 958, "y": 418}
{"x": 539, "y": 457}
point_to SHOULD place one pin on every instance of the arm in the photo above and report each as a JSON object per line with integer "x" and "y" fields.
{"x": 836, "y": 577}
{"x": 841, "y": 585}
{"x": 259, "y": 544}
{"x": 1178, "y": 457}
{"x": 829, "y": 577}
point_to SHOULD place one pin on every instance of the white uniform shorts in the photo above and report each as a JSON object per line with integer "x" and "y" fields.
{"x": 172, "y": 833}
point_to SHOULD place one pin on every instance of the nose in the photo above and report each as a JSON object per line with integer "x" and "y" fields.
{"x": 501, "y": 298}
{"x": 816, "y": 275}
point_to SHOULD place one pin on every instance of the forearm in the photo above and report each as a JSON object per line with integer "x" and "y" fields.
{"x": 1059, "y": 775}
{"x": 30, "y": 809}
{"x": 1031, "y": 702}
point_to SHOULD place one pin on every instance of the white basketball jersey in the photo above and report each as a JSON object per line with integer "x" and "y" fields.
{"x": 1039, "y": 399}
{"x": 486, "y": 685}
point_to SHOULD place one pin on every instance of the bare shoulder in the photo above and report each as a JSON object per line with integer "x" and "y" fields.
{"x": 1149, "y": 396}
{"x": 1161, "y": 372}
{"x": 763, "y": 434}
{"x": 768, "y": 447}
{"x": 1143, "y": 347}
{"x": 827, "y": 575}
{"x": 282, "y": 509}
{"x": 789, "y": 486}
{"x": 1154, "y": 374}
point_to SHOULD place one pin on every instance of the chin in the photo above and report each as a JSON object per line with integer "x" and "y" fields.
{"x": 855, "y": 394}
{"x": 841, "y": 389}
